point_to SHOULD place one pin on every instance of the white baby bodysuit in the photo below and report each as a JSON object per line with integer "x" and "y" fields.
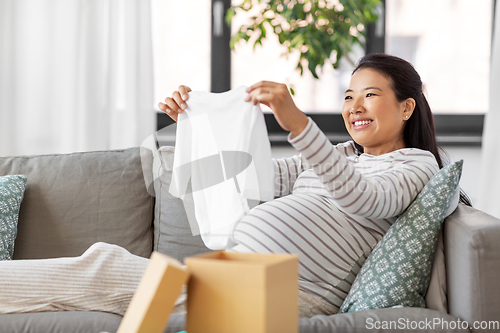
{"x": 223, "y": 148}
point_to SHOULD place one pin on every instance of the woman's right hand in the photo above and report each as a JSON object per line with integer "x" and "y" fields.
{"x": 176, "y": 104}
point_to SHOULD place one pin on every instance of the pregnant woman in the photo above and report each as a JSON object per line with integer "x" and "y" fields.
{"x": 335, "y": 202}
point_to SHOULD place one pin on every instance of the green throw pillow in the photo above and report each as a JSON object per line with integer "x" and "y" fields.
{"x": 11, "y": 195}
{"x": 397, "y": 272}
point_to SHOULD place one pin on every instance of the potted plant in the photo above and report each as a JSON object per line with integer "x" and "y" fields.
{"x": 323, "y": 31}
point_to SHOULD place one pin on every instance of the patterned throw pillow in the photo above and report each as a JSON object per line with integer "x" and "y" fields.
{"x": 11, "y": 195}
{"x": 398, "y": 270}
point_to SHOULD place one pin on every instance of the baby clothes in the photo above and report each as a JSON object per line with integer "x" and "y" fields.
{"x": 222, "y": 147}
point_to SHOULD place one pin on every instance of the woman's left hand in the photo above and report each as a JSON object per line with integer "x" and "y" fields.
{"x": 277, "y": 97}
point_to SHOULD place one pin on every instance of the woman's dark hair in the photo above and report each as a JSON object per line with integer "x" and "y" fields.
{"x": 419, "y": 131}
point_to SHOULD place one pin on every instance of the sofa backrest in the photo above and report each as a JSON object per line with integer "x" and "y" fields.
{"x": 74, "y": 200}
{"x": 472, "y": 250}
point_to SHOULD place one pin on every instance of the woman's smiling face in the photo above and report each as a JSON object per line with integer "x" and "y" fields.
{"x": 373, "y": 116}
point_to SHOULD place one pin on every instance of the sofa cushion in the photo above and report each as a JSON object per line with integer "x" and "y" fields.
{"x": 60, "y": 322}
{"x": 402, "y": 320}
{"x": 397, "y": 272}
{"x": 436, "y": 297}
{"x": 11, "y": 195}
{"x": 75, "y": 200}
{"x": 173, "y": 234}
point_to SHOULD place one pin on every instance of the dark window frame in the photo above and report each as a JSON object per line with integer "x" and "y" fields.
{"x": 220, "y": 52}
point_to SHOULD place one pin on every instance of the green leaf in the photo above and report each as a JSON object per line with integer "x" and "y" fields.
{"x": 231, "y": 12}
{"x": 297, "y": 41}
{"x": 233, "y": 41}
{"x": 301, "y": 68}
{"x": 282, "y": 37}
{"x": 312, "y": 67}
{"x": 320, "y": 42}
{"x": 262, "y": 30}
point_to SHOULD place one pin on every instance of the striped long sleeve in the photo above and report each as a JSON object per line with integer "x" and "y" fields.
{"x": 286, "y": 172}
{"x": 373, "y": 187}
{"x": 340, "y": 204}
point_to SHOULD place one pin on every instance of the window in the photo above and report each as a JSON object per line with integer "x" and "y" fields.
{"x": 268, "y": 62}
{"x": 449, "y": 43}
{"x": 448, "y": 46}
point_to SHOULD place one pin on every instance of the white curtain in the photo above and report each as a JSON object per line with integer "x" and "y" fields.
{"x": 75, "y": 75}
{"x": 489, "y": 193}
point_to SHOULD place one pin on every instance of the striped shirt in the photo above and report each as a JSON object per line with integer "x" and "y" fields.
{"x": 333, "y": 205}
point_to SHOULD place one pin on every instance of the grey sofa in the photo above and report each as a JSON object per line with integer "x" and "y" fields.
{"x": 74, "y": 200}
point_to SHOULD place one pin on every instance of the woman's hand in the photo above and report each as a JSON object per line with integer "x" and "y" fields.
{"x": 175, "y": 104}
{"x": 277, "y": 97}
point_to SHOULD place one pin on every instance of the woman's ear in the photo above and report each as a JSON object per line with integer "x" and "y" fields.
{"x": 409, "y": 105}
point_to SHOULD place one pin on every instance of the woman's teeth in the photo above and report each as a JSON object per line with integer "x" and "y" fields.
{"x": 362, "y": 122}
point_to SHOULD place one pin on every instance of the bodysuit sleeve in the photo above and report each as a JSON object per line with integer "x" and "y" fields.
{"x": 382, "y": 194}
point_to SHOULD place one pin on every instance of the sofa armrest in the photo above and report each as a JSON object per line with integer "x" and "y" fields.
{"x": 472, "y": 250}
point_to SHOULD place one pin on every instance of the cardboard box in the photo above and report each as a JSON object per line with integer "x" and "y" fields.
{"x": 242, "y": 292}
{"x": 155, "y": 296}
